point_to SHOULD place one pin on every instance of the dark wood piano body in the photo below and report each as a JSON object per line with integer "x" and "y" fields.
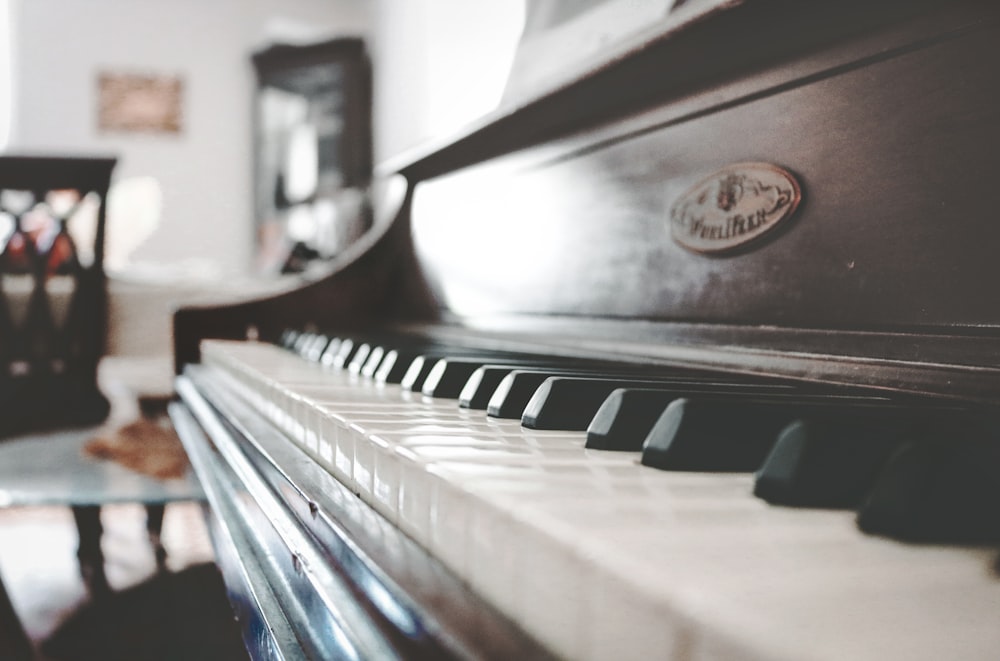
{"x": 546, "y": 227}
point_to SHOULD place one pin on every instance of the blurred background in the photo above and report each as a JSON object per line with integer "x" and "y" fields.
{"x": 186, "y": 219}
{"x": 182, "y": 204}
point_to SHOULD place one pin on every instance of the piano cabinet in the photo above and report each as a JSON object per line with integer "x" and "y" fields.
{"x": 760, "y": 201}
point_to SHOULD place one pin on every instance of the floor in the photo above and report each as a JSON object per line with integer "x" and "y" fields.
{"x": 39, "y": 568}
{"x": 181, "y": 613}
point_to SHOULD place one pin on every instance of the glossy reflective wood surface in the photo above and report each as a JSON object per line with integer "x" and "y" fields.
{"x": 893, "y": 152}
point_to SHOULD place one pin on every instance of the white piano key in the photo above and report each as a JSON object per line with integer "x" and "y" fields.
{"x": 600, "y": 557}
{"x": 423, "y": 448}
{"x": 413, "y": 498}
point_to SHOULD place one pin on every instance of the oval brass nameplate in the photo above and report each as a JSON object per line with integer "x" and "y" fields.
{"x": 734, "y": 206}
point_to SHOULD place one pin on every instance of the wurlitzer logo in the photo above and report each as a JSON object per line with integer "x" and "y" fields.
{"x": 734, "y": 206}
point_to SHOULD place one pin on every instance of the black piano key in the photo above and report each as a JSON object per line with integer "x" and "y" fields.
{"x": 359, "y": 358}
{"x": 515, "y": 390}
{"x": 314, "y": 350}
{"x": 331, "y": 352}
{"x": 571, "y": 403}
{"x": 418, "y": 371}
{"x": 345, "y": 351}
{"x": 374, "y": 359}
{"x": 481, "y": 385}
{"x": 398, "y": 360}
{"x": 450, "y": 375}
{"x": 511, "y": 397}
{"x": 394, "y": 365}
{"x": 426, "y": 366}
{"x": 288, "y": 337}
{"x": 301, "y": 341}
{"x": 714, "y": 429}
{"x": 827, "y": 461}
{"x": 944, "y": 491}
{"x": 341, "y": 352}
{"x": 624, "y": 419}
{"x": 699, "y": 435}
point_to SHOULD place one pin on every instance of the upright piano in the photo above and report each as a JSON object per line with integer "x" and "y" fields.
{"x": 690, "y": 352}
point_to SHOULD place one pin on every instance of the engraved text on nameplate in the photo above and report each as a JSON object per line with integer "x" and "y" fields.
{"x": 733, "y": 206}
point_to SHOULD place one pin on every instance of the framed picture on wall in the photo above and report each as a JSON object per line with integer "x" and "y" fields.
{"x": 313, "y": 154}
{"x": 139, "y": 102}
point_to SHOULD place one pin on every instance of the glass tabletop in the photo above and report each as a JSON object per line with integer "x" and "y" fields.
{"x": 51, "y": 468}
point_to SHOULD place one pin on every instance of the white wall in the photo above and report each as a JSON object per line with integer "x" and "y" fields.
{"x": 206, "y": 170}
{"x": 438, "y": 64}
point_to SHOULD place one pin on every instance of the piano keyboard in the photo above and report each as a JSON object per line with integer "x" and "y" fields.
{"x": 597, "y": 556}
